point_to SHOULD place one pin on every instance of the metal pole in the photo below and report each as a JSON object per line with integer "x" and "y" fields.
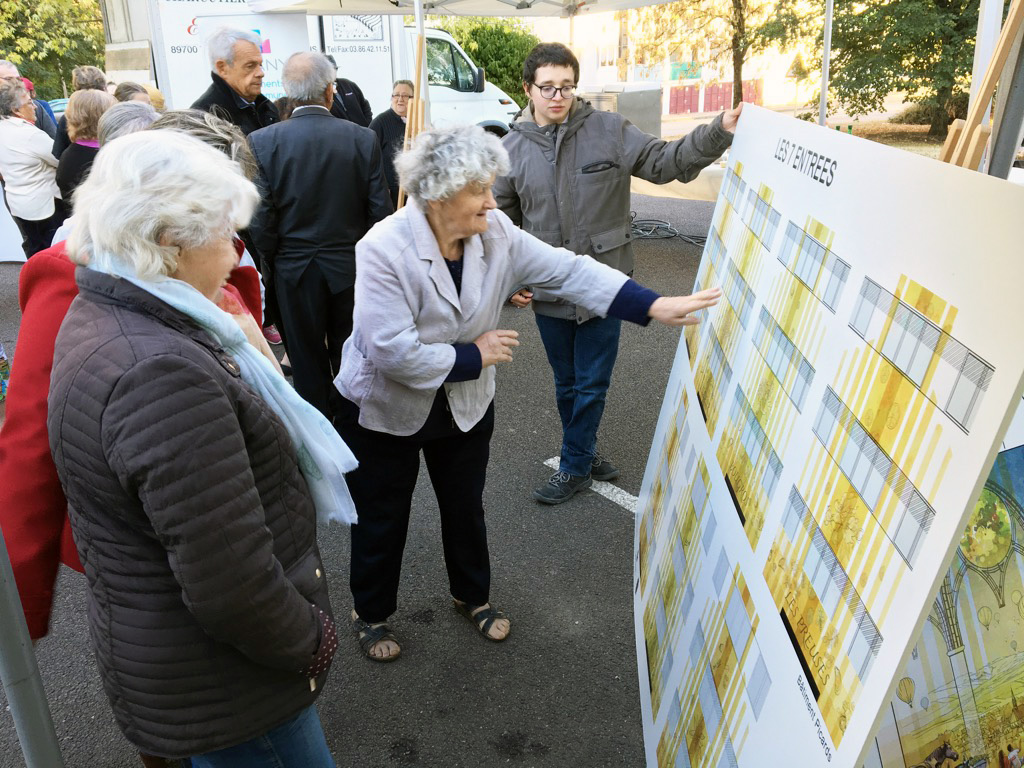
{"x": 19, "y": 674}
{"x": 990, "y": 23}
{"x": 1009, "y": 116}
{"x": 823, "y": 104}
{"x": 421, "y": 31}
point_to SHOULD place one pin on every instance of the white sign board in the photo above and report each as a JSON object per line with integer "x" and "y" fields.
{"x": 367, "y": 51}
{"x": 181, "y": 28}
{"x": 825, "y": 433}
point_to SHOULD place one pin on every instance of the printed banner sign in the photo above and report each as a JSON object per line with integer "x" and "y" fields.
{"x": 825, "y": 434}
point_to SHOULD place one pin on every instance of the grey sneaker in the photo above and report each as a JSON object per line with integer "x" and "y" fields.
{"x": 561, "y": 487}
{"x": 602, "y": 469}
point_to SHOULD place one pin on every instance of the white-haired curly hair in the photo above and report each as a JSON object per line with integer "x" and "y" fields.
{"x": 151, "y": 194}
{"x": 443, "y": 161}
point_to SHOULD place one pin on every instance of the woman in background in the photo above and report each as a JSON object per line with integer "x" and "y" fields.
{"x": 29, "y": 169}
{"x": 85, "y": 108}
{"x": 390, "y": 129}
{"x": 129, "y": 91}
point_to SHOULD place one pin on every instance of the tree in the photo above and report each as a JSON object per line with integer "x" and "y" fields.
{"x": 46, "y": 39}
{"x": 714, "y": 32}
{"x": 923, "y": 47}
{"x": 499, "y": 46}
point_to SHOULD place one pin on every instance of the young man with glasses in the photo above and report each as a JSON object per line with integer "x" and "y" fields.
{"x": 569, "y": 186}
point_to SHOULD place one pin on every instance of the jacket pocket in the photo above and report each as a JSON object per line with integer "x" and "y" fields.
{"x": 307, "y": 574}
{"x": 609, "y": 240}
{"x": 549, "y": 236}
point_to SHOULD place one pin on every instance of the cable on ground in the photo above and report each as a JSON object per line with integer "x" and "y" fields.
{"x": 656, "y": 229}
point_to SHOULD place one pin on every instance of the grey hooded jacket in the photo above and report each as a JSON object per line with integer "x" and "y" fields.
{"x": 569, "y": 183}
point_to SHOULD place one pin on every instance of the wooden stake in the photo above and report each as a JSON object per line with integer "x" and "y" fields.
{"x": 976, "y": 147}
{"x": 955, "y": 129}
{"x": 414, "y": 115}
{"x": 1011, "y": 29}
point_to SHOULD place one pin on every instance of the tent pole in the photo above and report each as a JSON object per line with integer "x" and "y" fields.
{"x": 827, "y": 49}
{"x": 19, "y": 674}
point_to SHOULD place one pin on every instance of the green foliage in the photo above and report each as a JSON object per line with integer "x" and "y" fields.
{"x": 499, "y": 46}
{"x": 719, "y": 33}
{"x": 922, "y": 47}
{"x": 46, "y": 39}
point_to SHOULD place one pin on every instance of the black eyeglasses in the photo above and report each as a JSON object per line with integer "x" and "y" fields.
{"x": 401, "y": 96}
{"x": 548, "y": 91}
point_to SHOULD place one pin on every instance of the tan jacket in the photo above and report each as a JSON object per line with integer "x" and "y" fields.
{"x": 569, "y": 184}
{"x": 408, "y": 313}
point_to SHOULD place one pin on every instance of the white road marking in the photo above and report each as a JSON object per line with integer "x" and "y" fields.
{"x": 611, "y": 492}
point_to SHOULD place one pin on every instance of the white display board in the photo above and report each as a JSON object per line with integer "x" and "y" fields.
{"x": 825, "y": 433}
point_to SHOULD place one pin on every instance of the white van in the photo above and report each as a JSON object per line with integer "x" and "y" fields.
{"x": 374, "y": 51}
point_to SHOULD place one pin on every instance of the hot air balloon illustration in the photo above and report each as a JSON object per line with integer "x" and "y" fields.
{"x": 924, "y": 702}
{"x": 985, "y": 616}
{"x": 905, "y": 691}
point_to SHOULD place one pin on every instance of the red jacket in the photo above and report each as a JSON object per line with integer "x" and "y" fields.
{"x": 33, "y": 510}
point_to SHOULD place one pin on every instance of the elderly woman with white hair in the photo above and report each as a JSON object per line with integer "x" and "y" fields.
{"x": 194, "y": 474}
{"x": 28, "y": 169}
{"x": 418, "y": 370}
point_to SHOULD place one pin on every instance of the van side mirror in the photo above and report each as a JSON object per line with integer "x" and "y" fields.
{"x": 479, "y": 78}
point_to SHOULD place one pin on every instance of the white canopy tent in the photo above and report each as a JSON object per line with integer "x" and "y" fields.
{"x": 561, "y": 8}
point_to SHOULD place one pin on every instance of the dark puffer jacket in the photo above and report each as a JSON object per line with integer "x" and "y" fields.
{"x": 195, "y": 527}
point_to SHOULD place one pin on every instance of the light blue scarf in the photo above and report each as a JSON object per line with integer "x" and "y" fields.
{"x": 323, "y": 456}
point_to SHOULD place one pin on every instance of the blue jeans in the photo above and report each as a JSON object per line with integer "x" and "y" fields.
{"x": 298, "y": 743}
{"x": 582, "y": 357}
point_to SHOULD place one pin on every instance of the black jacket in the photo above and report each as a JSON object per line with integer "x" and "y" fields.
{"x": 390, "y": 130}
{"x": 350, "y": 104}
{"x": 323, "y": 187}
{"x": 73, "y": 167}
{"x": 222, "y": 101}
{"x": 196, "y": 529}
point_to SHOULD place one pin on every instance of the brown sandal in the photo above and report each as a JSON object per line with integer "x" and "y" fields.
{"x": 371, "y": 634}
{"x": 483, "y": 619}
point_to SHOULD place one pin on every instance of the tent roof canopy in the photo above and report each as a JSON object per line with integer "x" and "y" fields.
{"x": 562, "y": 8}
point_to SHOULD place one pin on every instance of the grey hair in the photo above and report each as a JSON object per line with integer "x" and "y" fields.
{"x": 150, "y": 195}
{"x": 5, "y": 64}
{"x": 410, "y": 83}
{"x": 221, "y": 44}
{"x": 442, "y": 161}
{"x": 306, "y": 77}
{"x": 212, "y": 131}
{"x": 13, "y": 96}
{"x": 124, "y": 118}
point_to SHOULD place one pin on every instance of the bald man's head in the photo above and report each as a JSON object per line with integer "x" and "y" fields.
{"x": 309, "y": 78}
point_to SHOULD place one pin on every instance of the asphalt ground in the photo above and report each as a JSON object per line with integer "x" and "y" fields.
{"x": 563, "y": 689}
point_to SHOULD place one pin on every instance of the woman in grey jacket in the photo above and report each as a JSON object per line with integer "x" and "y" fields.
{"x": 417, "y": 373}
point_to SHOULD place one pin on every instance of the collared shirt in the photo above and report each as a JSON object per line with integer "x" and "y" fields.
{"x": 29, "y": 169}
{"x": 297, "y": 110}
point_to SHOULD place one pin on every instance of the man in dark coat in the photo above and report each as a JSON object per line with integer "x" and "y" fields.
{"x": 236, "y": 66}
{"x": 349, "y": 102}
{"x": 307, "y": 224}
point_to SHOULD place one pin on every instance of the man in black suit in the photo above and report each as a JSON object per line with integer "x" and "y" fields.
{"x": 308, "y": 222}
{"x": 236, "y": 67}
{"x": 349, "y": 102}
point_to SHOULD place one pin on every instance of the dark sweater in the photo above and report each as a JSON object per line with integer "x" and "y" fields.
{"x": 390, "y": 130}
{"x": 73, "y": 167}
